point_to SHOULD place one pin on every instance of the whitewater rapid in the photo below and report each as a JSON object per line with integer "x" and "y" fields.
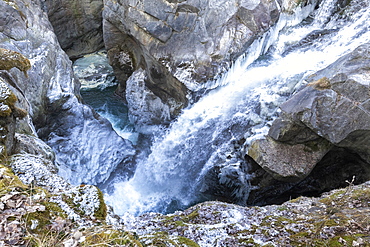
{"x": 172, "y": 176}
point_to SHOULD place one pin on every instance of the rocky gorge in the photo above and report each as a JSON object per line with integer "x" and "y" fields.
{"x": 293, "y": 136}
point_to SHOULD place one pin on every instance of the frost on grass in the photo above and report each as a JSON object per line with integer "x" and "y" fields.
{"x": 338, "y": 218}
{"x": 79, "y": 202}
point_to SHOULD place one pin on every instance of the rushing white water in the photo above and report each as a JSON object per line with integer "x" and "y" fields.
{"x": 172, "y": 176}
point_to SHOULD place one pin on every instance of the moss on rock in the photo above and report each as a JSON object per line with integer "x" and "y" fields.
{"x": 163, "y": 239}
{"x": 101, "y": 211}
{"x": 107, "y": 236}
{"x": 9, "y": 182}
{"x": 11, "y": 59}
{"x": 7, "y": 99}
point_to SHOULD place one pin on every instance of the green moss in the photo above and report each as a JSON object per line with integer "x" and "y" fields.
{"x": 176, "y": 220}
{"x": 11, "y": 59}
{"x": 75, "y": 206}
{"x": 101, "y": 212}
{"x": 248, "y": 242}
{"x": 362, "y": 195}
{"x": 282, "y": 208}
{"x": 42, "y": 218}
{"x": 190, "y": 218}
{"x": 278, "y": 221}
{"x": 110, "y": 237}
{"x": 334, "y": 242}
{"x": 329, "y": 199}
{"x": 9, "y": 181}
{"x": 295, "y": 200}
{"x": 300, "y": 235}
{"x": 55, "y": 208}
{"x": 162, "y": 239}
{"x": 179, "y": 223}
{"x": 187, "y": 242}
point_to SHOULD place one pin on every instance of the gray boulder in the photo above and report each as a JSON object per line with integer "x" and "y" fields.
{"x": 288, "y": 162}
{"x": 145, "y": 108}
{"x": 332, "y": 110}
{"x": 335, "y": 105}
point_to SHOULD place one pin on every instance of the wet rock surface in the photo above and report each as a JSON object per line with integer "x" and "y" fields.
{"x": 145, "y": 108}
{"x": 172, "y": 26}
{"x": 50, "y": 93}
{"x": 332, "y": 109}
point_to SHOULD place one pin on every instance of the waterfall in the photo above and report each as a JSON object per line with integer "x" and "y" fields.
{"x": 324, "y": 12}
{"x": 204, "y": 136}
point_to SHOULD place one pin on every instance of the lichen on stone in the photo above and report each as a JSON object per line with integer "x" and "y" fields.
{"x": 7, "y": 97}
{"x": 320, "y": 84}
{"x": 8, "y": 102}
{"x": 11, "y": 59}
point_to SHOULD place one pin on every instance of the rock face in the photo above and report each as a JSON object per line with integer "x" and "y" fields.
{"x": 77, "y": 24}
{"x": 181, "y": 43}
{"x": 145, "y": 108}
{"x": 9, "y": 112}
{"x": 83, "y": 141}
{"x": 331, "y": 115}
{"x": 338, "y": 167}
{"x": 343, "y": 118}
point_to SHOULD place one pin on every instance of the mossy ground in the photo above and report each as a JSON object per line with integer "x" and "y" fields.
{"x": 45, "y": 224}
{"x": 163, "y": 239}
{"x": 9, "y": 182}
{"x": 343, "y": 221}
{"x": 108, "y": 236}
{"x": 340, "y": 218}
{"x": 101, "y": 211}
